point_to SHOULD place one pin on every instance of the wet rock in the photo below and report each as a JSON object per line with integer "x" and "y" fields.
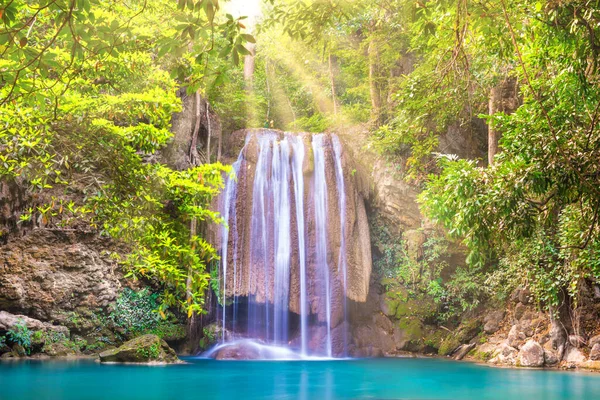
{"x": 574, "y": 355}
{"x": 375, "y": 337}
{"x": 18, "y": 350}
{"x": 238, "y": 352}
{"x": 143, "y": 349}
{"x": 367, "y": 352}
{"x": 550, "y": 357}
{"x": 531, "y": 355}
{"x": 492, "y": 321}
{"x": 383, "y": 322}
{"x": 595, "y": 352}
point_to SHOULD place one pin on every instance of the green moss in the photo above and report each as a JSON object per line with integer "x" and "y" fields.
{"x": 412, "y": 329}
{"x": 448, "y": 345}
{"x": 463, "y": 334}
{"x": 482, "y": 355}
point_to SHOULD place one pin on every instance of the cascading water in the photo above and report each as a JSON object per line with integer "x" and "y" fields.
{"x": 341, "y": 187}
{"x": 320, "y": 202}
{"x": 285, "y": 211}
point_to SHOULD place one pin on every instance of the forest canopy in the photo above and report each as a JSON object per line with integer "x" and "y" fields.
{"x": 87, "y": 91}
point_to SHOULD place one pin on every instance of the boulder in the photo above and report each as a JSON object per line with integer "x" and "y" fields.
{"x": 594, "y": 340}
{"x": 574, "y": 355}
{"x": 492, "y": 321}
{"x": 505, "y": 355}
{"x": 595, "y": 352}
{"x": 515, "y": 338}
{"x": 143, "y": 349}
{"x": 531, "y": 355}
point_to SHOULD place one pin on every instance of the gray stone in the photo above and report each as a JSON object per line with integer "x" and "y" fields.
{"x": 531, "y": 354}
{"x": 143, "y": 349}
{"x": 574, "y": 355}
{"x": 8, "y": 321}
{"x": 492, "y": 321}
{"x": 594, "y": 340}
{"x": 525, "y": 296}
{"x": 595, "y": 352}
{"x": 505, "y": 355}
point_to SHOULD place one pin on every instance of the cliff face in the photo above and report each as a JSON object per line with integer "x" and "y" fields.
{"x": 58, "y": 277}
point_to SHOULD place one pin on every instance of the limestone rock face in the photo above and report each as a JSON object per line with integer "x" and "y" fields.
{"x": 531, "y": 354}
{"x": 8, "y": 322}
{"x": 143, "y": 349}
{"x": 48, "y": 274}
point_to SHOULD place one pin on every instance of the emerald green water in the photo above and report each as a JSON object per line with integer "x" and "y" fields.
{"x": 348, "y": 379}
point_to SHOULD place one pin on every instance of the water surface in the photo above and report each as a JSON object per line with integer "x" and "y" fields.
{"x": 403, "y": 378}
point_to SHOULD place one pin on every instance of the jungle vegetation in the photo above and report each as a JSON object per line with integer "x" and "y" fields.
{"x": 87, "y": 89}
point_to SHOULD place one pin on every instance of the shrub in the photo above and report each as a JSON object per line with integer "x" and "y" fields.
{"x": 135, "y": 312}
{"x": 20, "y": 334}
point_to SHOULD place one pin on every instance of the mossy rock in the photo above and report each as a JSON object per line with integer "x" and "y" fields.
{"x": 143, "y": 349}
{"x": 410, "y": 334}
{"x": 434, "y": 338}
{"x": 60, "y": 349}
{"x": 421, "y": 308}
{"x": 463, "y": 334}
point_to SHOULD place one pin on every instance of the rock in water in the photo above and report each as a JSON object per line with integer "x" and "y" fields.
{"x": 531, "y": 354}
{"x": 143, "y": 349}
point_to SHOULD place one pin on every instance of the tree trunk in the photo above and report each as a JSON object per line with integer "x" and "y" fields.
{"x": 332, "y": 82}
{"x": 375, "y": 91}
{"x": 249, "y": 66}
{"x": 503, "y": 98}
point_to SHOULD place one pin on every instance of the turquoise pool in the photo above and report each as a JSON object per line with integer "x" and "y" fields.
{"x": 400, "y": 378}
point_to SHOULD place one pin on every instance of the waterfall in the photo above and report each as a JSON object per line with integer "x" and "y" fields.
{"x": 298, "y": 161}
{"x": 229, "y": 214}
{"x": 341, "y": 188}
{"x": 320, "y": 201}
{"x": 285, "y": 288}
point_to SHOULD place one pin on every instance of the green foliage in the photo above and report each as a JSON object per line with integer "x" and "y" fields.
{"x": 88, "y": 90}
{"x": 21, "y": 335}
{"x": 208, "y": 338}
{"x": 533, "y": 214}
{"x": 135, "y": 312}
{"x": 138, "y": 313}
{"x": 149, "y": 353}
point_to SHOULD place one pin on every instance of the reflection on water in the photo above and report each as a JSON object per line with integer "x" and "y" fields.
{"x": 305, "y": 380}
